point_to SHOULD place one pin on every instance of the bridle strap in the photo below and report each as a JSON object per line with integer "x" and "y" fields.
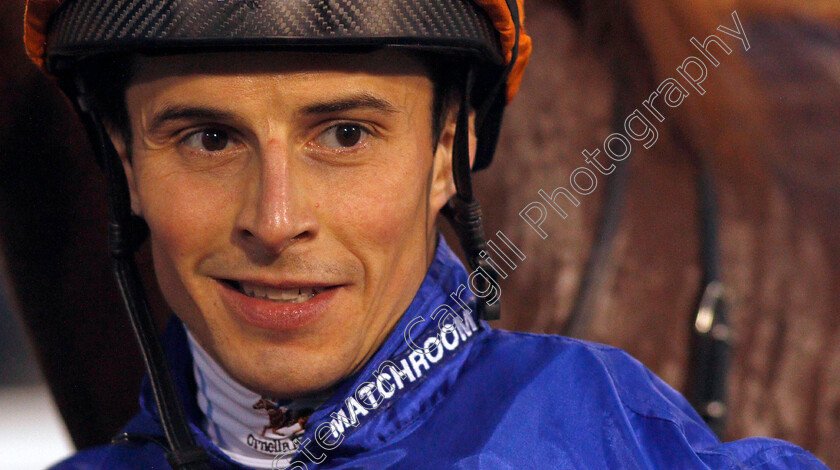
{"x": 710, "y": 344}
{"x": 595, "y": 269}
{"x": 710, "y": 331}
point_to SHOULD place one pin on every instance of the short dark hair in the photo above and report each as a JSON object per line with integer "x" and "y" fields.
{"x": 108, "y": 78}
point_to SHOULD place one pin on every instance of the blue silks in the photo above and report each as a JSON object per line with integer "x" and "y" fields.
{"x": 475, "y": 398}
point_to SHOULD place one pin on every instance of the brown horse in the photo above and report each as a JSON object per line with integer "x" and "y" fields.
{"x": 280, "y": 417}
{"x": 767, "y": 128}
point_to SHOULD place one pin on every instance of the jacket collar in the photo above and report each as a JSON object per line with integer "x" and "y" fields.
{"x": 444, "y": 277}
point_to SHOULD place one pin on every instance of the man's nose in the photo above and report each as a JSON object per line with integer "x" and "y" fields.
{"x": 276, "y": 214}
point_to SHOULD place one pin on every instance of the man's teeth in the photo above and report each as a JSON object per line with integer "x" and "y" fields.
{"x": 298, "y": 294}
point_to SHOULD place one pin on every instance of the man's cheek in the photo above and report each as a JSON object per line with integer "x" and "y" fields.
{"x": 174, "y": 229}
{"x": 372, "y": 218}
{"x": 182, "y": 213}
{"x": 170, "y": 281}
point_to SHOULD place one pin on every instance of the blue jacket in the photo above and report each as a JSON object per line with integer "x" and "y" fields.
{"x": 477, "y": 398}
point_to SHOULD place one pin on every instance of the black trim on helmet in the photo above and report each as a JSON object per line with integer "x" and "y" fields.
{"x": 82, "y": 27}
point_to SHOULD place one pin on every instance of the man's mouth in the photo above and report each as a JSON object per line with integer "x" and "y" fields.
{"x": 278, "y": 304}
{"x": 283, "y": 295}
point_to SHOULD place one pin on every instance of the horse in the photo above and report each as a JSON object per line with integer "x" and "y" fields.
{"x": 280, "y": 417}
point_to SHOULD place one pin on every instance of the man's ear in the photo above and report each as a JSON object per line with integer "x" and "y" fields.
{"x": 443, "y": 183}
{"x": 122, "y": 150}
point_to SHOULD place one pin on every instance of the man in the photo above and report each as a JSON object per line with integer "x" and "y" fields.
{"x": 289, "y": 159}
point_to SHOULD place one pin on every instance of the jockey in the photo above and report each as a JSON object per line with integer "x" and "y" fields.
{"x": 288, "y": 160}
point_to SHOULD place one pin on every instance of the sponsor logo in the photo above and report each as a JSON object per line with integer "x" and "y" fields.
{"x": 393, "y": 376}
{"x": 273, "y": 446}
{"x": 280, "y": 417}
{"x": 281, "y": 436}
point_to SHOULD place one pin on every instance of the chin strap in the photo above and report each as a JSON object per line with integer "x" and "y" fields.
{"x": 126, "y": 232}
{"x": 463, "y": 211}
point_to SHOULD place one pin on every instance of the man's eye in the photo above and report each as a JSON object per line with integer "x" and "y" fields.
{"x": 209, "y": 140}
{"x": 342, "y": 136}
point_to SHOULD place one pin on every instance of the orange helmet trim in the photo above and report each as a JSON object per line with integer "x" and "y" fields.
{"x": 498, "y": 12}
{"x": 35, "y": 21}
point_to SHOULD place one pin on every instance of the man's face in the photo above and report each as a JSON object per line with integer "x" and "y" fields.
{"x": 286, "y": 175}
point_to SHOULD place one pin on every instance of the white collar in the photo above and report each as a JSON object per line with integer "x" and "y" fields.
{"x": 236, "y": 419}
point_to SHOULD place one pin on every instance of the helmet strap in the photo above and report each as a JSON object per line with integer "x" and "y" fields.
{"x": 125, "y": 235}
{"x": 464, "y": 212}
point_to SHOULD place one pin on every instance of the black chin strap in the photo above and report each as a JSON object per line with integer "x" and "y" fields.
{"x": 464, "y": 212}
{"x": 125, "y": 235}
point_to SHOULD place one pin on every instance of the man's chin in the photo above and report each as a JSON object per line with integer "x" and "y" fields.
{"x": 290, "y": 384}
{"x": 286, "y": 370}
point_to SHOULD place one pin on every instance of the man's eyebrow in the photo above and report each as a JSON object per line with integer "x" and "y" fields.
{"x": 195, "y": 113}
{"x": 361, "y": 100}
{"x": 202, "y": 113}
